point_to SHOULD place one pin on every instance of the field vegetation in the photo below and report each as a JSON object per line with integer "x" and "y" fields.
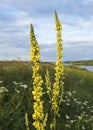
{"x": 82, "y": 62}
{"x": 76, "y": 109}
{"x": 45, "y": 96}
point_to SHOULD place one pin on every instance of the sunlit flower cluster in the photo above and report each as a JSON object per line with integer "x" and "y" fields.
{"x": 34, "y": 50}
{"x": 19, "y": 86}
{"x": 59, "y": 69}
{"x": 2, "y": 88}
{"x": 55, "y": 90}
{"x": 27, "y": 121}
{"x": 48, "y": 85}
{"x": 80, "y": 116}
{"x": 37, "y": 92}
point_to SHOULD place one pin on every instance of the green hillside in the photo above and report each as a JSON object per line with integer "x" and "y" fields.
{"x": 16, "y": 100}
{"x": 82, "y": 62}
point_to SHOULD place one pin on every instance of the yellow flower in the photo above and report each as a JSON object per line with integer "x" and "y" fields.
{"x": 27, "y": 121}
{"x": 58, "y": 83}
{"x": 37, "y": 92}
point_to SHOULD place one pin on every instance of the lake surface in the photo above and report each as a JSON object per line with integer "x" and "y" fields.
{"x": 90, "y": 68}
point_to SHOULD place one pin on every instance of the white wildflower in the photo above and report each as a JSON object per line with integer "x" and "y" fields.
{"x": 72, "y": 121}
{"x": 67, "y": 104}
{"x": 17, "y": 90}
{"x": 3, "y": 89}
{"x": 67, "y": 125}
{"x": 24, "y": 86}
{"x": 83, "y": 127}
{"x": 1, "y": 82}
{"x": 75, "y": 99}
{"x": 73, "y": 92}
{"x": 67, "y": 117}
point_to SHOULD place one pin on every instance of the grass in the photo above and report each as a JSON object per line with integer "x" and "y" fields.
{"x": 79, "y": 80}
{"x": 83, "y": 62}
{"x": 77, "y": 106}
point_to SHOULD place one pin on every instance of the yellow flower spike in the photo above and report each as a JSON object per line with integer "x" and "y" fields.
{"x": 27, "y": 121}
{"x": 55, "y": 90}
{"x": 48, "y": 84}
{"x": 38, "y": 115}
{"x": 58, "y": 83}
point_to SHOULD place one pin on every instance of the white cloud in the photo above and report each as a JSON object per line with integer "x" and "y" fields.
{"x": 80, "y": 39}
{"x": 16, "y": 16}
{"x": 48, "y": 49}
{"x": 13, "y": 52}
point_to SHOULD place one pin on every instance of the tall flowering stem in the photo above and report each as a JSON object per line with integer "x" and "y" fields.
{"x": 59, "y": 70}
{"x": 27, "y": 121}
{"x": 38, "y": 116}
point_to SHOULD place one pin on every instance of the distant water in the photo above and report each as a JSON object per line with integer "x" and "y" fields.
{"x": 90, "y": 68}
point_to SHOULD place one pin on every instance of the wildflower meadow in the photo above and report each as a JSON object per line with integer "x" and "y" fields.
{"x": 45, "y": 96}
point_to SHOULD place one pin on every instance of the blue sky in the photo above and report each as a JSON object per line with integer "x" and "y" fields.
{"x": 76, "y": 17}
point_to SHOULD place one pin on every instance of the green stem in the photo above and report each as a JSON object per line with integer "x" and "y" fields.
{"x": 54, "y": 119}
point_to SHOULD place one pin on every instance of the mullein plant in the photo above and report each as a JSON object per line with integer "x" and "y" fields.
{"x": 38, "y": 116}
{"x": 27, "y": 121}
{"x": 59, "y": 67}
{"x": 55, "y": 91}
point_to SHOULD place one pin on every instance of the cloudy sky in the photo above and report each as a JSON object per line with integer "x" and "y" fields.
{"x": 76, "y": 17}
